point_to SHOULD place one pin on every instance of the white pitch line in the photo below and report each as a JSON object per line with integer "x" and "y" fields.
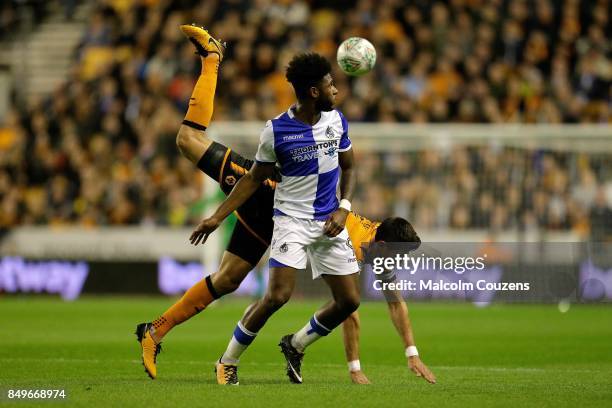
{"x": 330, "y": 365}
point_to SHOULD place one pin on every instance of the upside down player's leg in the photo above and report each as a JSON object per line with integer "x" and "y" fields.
{"x": 211, "y": 51}
{"x": 243, "y": 252}
{"x": 190, "y": 138}
{"x": 245, "y": 248}
{"x": 249, "y": 241}
{"x": 210, "y": 158}
{"x": 193, "y": 145}
{"x": 231, "y": 273}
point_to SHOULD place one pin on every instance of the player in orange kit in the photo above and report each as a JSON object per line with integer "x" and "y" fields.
{"x": 252, "y": 233}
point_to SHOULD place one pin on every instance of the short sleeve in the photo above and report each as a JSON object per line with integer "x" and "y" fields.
{"x": 265, "y": 150}
{"x": 345, "y": 142}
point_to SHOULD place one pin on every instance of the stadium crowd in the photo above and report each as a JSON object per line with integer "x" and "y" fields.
{"x": 14, "y": 12}
{"x": 101, "y": 149}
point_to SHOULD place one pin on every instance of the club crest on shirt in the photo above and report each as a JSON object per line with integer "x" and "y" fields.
{"x": 230, "y": 180}
{"x": 330, "y": 133}
{"x": 283, "y": 248}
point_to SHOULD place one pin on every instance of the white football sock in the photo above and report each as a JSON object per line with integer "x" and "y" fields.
{"x": 308, "y": 334}
{"x": 241, "y": 339}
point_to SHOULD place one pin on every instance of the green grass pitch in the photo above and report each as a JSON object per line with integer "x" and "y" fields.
{"x": 503, "y": 355}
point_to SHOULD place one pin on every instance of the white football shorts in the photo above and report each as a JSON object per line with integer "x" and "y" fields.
{"x": 296, "y": 240}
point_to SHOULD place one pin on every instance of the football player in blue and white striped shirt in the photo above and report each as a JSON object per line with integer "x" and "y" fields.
{"x": 310, "y": 143}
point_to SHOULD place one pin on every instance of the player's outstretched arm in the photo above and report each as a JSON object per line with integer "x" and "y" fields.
{"x": 398, "y": 311}
{"x": 336, "y": 222}
{"x": 241, "y": 192}
{"x": 350, "y": 329}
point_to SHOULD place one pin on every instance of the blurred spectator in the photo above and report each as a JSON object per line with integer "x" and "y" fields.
{"x": 601, "y": 218}
{"x": 101, "y": 150}
{"x": 17, "y": 16}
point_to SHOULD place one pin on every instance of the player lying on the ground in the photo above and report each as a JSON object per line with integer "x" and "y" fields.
{"x": 251, "y": 236}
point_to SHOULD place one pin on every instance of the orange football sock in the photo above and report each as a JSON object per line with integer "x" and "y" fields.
{"x": 193, "y": 302}
{"x": 202, "y": 99}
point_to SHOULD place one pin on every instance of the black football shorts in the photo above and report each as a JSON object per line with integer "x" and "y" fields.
{"x": 253, "y": 231}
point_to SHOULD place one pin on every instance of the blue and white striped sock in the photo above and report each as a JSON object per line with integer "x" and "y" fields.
{"x": 241, "y": 339}
{"x": 308, "y": 334}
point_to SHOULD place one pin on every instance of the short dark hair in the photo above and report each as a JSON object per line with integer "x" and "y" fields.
{"x": 306, "y": 70}
{"x": 397, "y": 229}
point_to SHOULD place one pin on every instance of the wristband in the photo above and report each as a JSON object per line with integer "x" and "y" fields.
{"x": 346, "y": 204}
{"x": 411, "y": 351}
{"x": 354, "y": 365}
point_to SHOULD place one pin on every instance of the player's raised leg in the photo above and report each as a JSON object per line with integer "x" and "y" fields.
{"x": 193, "y": 144}
{"x": 232, "y": 272}
{"x": 190, "y": 139}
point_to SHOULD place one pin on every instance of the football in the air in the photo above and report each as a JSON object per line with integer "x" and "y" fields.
{"x": 356, "y": 56}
